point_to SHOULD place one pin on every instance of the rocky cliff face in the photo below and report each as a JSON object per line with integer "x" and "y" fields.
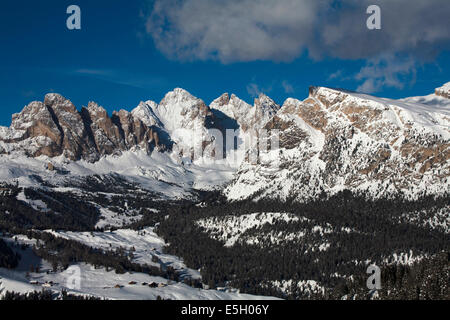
{"x": 55, "y": 127}
{"x": 180, "y": 123}
{"x": 247, "y": 117}
{"x": 444, "y": 91}
{"x": 74, "y": 142}
{"x": 337, "y": 140}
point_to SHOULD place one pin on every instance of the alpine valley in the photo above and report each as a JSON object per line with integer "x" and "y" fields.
{"x": 156, "y": 203}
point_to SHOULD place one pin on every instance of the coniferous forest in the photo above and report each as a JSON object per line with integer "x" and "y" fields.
{"x": 382, "y": 231}
{"x": 353, "y": 232}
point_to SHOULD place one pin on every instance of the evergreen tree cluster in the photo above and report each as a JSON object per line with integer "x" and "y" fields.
{"x": 427, "y": 279}
{"x": 65, "y": 212}
{"x": 8, "y": 258}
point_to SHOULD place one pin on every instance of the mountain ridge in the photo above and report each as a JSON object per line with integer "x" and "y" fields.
{"x": 333, "y": 140}
{"x": 337, "y": 140}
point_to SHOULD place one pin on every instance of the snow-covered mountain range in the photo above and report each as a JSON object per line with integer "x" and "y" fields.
{"x": 331, "y": 141}
{"x": 123, "y": 183}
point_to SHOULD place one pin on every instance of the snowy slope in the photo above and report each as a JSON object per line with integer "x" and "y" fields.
{"x": 101, "y": 283}
{"x": 145, "y": 244}
{"x": 159, "y": 172}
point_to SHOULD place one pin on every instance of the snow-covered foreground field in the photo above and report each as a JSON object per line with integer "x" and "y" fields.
{"x": 107, "y": 284}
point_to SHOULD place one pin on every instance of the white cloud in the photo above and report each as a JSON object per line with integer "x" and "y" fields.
{"x": 249, "y": 30}
{"x": 282, "y": 30}
{"x": 386, "y": 71}
{"x": 233, "y": 30}
{"x": 253, "y": 90}
{"x": 122, "y": 77}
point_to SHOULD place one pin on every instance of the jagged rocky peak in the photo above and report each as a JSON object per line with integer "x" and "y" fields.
{"x": 444, "y": 91}
{"x": 181, "y": 106}
{"x": 232, "y": 105}
{"x": 311, "y": 111}
{"x": 35, "y": 130}
{"x": 145, "y": 111}
{"x": 75, "y": 143}
{"x": 46, "y": 128}
{"x": 181, "y": 110}
{"x": 240, "y": 106}
{"x": 223, "y": 100}
{"x": 55, "y": 127}
{"x": 57, "y": 101}
{"x": 234, "y": 108}
{"x": 96, "y": 111}
{"x": 266, "y": 104}
{"x": 180, "y": 98}
{"x": 33, "y": 112}
{"x": 178, "y": 95}
{"x": 134, "y": 131}
{"x": 327, "y": 96}
{"x": 265, "y": 110}
{"x": 247, "y": 116}
{"x": 100, "y": 123}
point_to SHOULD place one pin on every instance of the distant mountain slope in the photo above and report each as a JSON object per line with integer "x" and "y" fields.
{"x": 444, "y": 91}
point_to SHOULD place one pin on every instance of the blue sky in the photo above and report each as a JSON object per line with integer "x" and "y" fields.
{"x": 124, "y": 55}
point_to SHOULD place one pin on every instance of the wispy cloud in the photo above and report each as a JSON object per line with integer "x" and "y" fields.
{"x": 287, "y": 87}
{"x": 386, "y": 71}
{"x": 255, "y": 90}
{"x": 28, "y": 93}
{"x": 121, "y": 77}
{"x": 96, "y": 72}
{"x": 336, "y": 75}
